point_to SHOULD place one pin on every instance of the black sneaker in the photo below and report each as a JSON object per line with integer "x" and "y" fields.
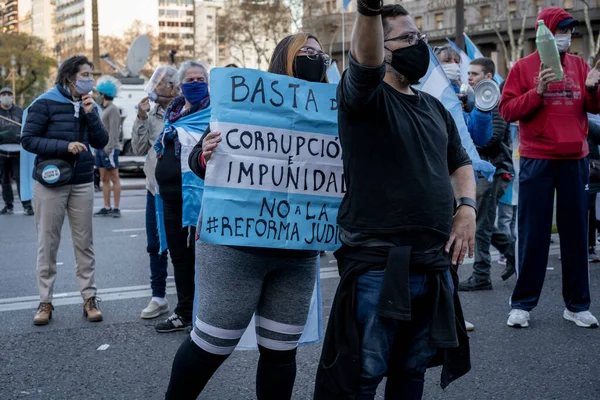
{"x": 7, "y": 211}
{"x": 472, "y": 284}
{"x": 104, "y": 212}
{"x": 116, "y": 213}
{"x": 173, "y": 324}
{"x": 28, "y": 210}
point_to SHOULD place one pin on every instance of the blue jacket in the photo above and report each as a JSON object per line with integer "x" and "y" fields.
{"x": 51, "y": 124}
{"x": 480, "y": 126}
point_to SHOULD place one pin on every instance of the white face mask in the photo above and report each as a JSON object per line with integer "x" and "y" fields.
{"x": 6, "y": 101}
{"x": 563, "y": 42}
{"x": 452, "y": 71}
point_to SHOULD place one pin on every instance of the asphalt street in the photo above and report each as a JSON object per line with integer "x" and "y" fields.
{"x": 124, "y": 358}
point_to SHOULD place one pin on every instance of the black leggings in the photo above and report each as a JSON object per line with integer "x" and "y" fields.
{"x": 193, "y": 367}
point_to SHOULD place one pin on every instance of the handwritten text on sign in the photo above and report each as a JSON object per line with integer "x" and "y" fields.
{"x": 276, "y": 179}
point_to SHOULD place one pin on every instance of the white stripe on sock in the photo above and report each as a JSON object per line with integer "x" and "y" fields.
{"x": 279, "y": 327}
{"x": 278, "y": 345}
{"x": 219, "y": 333}
{"x": 203, "y": 344}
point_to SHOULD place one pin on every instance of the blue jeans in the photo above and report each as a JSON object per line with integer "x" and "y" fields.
{"x": 158, "y": 262}
{"x": 378, "y": 334}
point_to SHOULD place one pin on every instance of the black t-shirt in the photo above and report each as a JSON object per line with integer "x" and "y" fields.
{"x": 398, "y": 152}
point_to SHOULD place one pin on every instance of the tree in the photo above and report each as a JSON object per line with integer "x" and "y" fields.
{"x": 594, "y": 45}
{"x": 251, "y": 30}
{"x": 516, "y": 45}
{"x": 32, "y": 66}
{"x": 118, "y": 47}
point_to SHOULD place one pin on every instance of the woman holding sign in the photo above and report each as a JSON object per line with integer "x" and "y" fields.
{"x": 235, "y": 283}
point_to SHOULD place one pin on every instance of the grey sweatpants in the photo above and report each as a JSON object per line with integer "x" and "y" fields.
{"x": 233, "y": 284}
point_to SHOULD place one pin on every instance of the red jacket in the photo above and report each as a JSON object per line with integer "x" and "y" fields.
{"x": 553, "y": 126}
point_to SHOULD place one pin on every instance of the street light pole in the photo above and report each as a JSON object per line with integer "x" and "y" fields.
{"x": 95, "y": 38}
{"x": 460, "y": 23}
{"x": 13, "y": 73}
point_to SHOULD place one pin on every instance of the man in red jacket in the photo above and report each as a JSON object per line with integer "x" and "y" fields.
{"x": 553, "y": 128}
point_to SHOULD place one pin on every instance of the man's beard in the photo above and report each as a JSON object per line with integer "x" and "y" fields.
{"x": 401, "y": 78}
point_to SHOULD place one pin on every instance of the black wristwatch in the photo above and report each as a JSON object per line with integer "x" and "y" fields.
{"x": 465, "y": 201}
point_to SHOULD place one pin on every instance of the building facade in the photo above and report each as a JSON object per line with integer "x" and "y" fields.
{"x": 43, "y": 22}
{"x": 73, "y": 29}
{"x": 176, "y": 30}
{"x": 205, "y": 36}
{"x": 9, "y": 10}
{"x": 485, "y": 22}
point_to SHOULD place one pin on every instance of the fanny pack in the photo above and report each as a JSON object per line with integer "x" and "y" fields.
{"x": 56, "y": 171}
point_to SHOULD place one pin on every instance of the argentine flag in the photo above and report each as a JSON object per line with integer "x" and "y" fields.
{"x": 473, "y": 53}
{"x": 437, "y": 84}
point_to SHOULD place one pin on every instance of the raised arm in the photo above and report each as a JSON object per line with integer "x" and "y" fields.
{"x": 367, "y": 35}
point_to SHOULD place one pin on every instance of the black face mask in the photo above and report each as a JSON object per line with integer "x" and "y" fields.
{"x": 412, "y": 62}
{"x": 310, "y": 70}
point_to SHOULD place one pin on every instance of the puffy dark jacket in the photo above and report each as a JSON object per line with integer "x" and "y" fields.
{"x": 498, "y": 150}
{"x": 50, "y": 127}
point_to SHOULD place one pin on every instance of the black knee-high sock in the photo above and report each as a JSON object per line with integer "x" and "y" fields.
{"x": 276, "y": 374}
{"x": 192, "y": 368}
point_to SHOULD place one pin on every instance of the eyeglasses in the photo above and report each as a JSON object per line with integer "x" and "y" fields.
{"x": 314, "y": 54}
{"x": 411, "y": 38}
{"x": 565, "y": 30}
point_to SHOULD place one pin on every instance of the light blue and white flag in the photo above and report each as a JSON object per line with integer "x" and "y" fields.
{"x": 333, "y": 73}
{"x": 465, "y": 61}
{"x": 437, "y": 84}
{"x": 473, "y": 52}
{"x": 346, "y": 4}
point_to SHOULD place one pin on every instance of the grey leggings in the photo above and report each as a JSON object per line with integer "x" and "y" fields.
{"x": 233, "y": 284}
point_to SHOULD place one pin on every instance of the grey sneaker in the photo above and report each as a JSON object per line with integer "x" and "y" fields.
{"x": 154, "y": 310}
{"x": 584, "y": 319}
{"x": 104, "y": 212}
{"x": 172, "y": 324}
{"x": 518, "y": 318}
{"x": 116, "y": 213}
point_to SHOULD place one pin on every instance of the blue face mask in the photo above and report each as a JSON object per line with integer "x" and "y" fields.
{"x": 84, "y": 86}
{"x": 194, "y": 92}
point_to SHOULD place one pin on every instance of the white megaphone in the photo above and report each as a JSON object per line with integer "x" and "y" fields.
{"x": 487, "y": 95}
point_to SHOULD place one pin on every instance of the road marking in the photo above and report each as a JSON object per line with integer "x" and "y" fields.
{"x": 133, "y": 236}
{"x": 133, "y": 292}
{"x": 103, "y": 347}
{"x": 129, "y": 230}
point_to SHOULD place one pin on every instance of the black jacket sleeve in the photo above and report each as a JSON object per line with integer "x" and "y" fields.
{"x": 33, "y": 137}
{"x": 194, "y": 158}
{"x": 98, "y": 136}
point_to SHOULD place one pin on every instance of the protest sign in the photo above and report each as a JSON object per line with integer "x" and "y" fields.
{"x": 276, "y": 179}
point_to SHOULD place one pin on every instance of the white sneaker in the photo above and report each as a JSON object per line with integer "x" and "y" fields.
{"x": 154, "y": 310}
{"x": 469, "y": 326}
{"x": 518, "y": 318}
{"x": 584, "y": 319}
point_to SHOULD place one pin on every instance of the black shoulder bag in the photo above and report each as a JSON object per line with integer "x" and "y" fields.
{"x": 56, "y": 171}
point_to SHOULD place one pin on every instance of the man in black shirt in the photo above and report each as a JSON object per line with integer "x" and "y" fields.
{"x": 10, "y": 150}
{"x": 396, "y": 307}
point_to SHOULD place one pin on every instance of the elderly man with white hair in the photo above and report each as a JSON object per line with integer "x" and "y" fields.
{"x": 186, "y": 119}
{"x": 162, "y": 89}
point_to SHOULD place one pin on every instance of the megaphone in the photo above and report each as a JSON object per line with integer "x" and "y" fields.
{"x": 487, "y": 95}
{"x": 467, "y": 96}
